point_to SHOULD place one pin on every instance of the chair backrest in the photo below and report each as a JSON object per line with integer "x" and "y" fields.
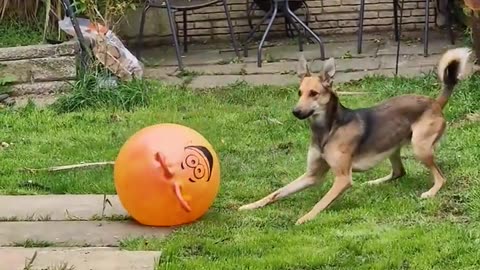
{"x": 184, "y": 4}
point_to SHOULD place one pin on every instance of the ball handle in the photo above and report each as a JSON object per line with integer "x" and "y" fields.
{"x": 176, "y": 186}
{"x": 161, "y": 159}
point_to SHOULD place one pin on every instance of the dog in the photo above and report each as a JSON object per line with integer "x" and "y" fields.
{"x": 347, "y": 140}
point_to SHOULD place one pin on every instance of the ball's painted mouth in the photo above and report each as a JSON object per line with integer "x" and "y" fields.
{"x": 178, "y": 193}
{"x": 177, "y": 188}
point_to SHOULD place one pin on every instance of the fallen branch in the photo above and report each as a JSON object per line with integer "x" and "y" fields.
{"x": 71, "y": 167}
{"x": 351, "y": 93}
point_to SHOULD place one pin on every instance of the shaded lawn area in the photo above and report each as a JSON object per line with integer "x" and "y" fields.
{"x": 19, "y": 34}
{"x": 263, "y": 147}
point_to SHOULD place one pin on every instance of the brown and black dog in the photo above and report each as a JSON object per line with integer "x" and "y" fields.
{"x": 345, "y": 140}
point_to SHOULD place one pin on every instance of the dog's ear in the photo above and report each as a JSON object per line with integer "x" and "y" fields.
{"x": 328, "y": 71}
{"x": 329, "y": 67}
{"x": 302, "y": 68}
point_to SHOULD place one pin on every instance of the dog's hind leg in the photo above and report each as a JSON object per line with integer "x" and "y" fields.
{"x": 397, "y": 169}
{"x": 426, "y": 132}
{"x": 316, "y": 170}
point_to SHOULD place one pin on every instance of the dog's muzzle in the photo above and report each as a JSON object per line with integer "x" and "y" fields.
{"x": 301, "y": 114}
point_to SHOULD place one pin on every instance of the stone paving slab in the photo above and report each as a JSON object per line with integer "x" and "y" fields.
{"x": 281, "y": 68}
{"x": 76, "y": 233}
{"x": 59, "y": 207}
{"x": 409, "y": 61}
{"x": 437, "y": 46}
{"x": 166, "y": 56}
{"x": 212, "y": 68}
{"x": 201, "y": 82}
{"x": 290, "y": 67}
{"x": 358, "y": 75}
{"x": 164, "y": 74}
{"x": 79, "y": 258}
{"x": 230, "y": 69}
{"x": 333, "y": 49}
{"x": 207, "y": 81}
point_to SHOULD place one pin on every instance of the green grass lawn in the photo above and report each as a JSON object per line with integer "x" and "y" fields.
{"x": 262, "y": 147}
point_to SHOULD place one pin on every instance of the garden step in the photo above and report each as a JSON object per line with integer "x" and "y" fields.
{"x": 75, "y": 233}
{"x": 38, "y": 51}
{"x": 76, "y": 258}
{"x": 39, "y": 69}
{"x": 60, "y": 207}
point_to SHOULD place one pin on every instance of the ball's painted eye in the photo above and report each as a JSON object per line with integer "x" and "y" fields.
{"x": 313, "y": 93}
{"x": 191, "y": 161}
{"x": 199, "y": 171}
{"x": 299, "y": 93}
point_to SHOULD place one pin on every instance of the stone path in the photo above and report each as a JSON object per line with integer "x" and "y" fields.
{"x": 80, "y": 231}
{"x": 209, "y": 66}
{"x": 76, "y": 258}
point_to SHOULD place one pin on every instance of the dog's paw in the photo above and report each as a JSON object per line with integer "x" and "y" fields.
{"x": 247, "y": 207}
{"x": 427, "y": 195}
{"x": 304, "y": 219}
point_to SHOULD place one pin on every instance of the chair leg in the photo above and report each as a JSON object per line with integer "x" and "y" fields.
{"x": 307, "y": 21}
{"x": 360, "y": 27}
{"x": 425, "y": 31}
{"x": 395, "y": 2}
{"x": 173, "y": 28}
{"x": 140, "y": 33}
{"x": 250, "y": 9}
{"x": 317, "y": 38}
{"x": 287, "y": 28}
{"x": 269, "y": 26}
{"x": 185, "y": 32}
{"x": 395, "y": 20}
{"x": 307, "y": 13}
{"x": 230, "y": 28}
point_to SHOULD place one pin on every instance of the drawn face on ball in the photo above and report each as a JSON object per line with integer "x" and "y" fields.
{"x": 198, "y": 163}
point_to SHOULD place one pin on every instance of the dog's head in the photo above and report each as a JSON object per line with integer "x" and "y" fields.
{"x": 315, "y": 90}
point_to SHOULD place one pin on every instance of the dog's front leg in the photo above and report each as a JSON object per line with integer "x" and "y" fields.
{"x": 340, "y": 184}
{"x": 317, "y": 167}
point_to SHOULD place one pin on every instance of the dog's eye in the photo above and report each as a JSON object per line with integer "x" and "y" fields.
{"x": 313, "y": 93}
{"x": 299, "y": 93}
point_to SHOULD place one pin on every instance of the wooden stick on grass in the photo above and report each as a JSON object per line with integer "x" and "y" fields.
{"x": 71, "y": 167}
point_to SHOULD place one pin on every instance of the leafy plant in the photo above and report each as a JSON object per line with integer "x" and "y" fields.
{"x": 97, "y": 90}
{"x": 48, "y": 12}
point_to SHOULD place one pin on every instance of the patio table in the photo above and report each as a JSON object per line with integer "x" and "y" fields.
{"x": 291, "y": 18}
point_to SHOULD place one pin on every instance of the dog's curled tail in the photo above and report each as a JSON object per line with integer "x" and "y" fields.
{"x": 451, "y": 68}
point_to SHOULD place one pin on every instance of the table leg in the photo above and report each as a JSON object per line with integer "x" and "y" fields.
{"x": 269, "y": 26}
{"x": 255, "y": 29}
{"x": 317, "y": 38}
{"x": 292, "y": 22}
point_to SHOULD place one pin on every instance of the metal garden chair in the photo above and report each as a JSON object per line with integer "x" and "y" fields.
{"x": 183, "y": 6}
{"x": 398, "y": 6}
